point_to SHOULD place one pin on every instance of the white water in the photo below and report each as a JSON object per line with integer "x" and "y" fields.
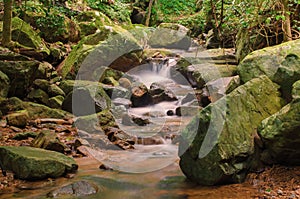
{"x": 153, "y": 72}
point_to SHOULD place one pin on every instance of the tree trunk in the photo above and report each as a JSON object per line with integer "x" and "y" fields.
{"x": 286, "y": 26}
{"x": 149, "y": 13}
{"x": 6, "y": 34}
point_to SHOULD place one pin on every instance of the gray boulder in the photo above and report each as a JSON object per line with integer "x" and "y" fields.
{"x": 35, "y": 164}
{"x": 217, "y": 146}
{"x": 170, "y": 35}
{"x": 280, "y": 63}
{"x": 86, "y": 100}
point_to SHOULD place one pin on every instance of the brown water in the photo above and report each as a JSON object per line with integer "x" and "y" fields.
{"x": 166, "y": 183}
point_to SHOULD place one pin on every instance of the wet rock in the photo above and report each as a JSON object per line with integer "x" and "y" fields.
{"x": 105, "y": 167}
{"x": 222, "y": 86}
{"x": 47, "y": 139}
{"x": 42, "y": 84}
{"x": 160, "y": 92}
{"x": 140, "y": 95}
{"x": 54, "y": 90}
{"x": 120, "y": 138}
{"x": 56, "y": 102}
{"x": 188, "y": 98}
{"x": 133, "y": 120}
{"x": 187, "y": 110}
{"x": 4, "y": 85}
{"x": 103, "y": 123}
{"x": 125, "y": 82}
{"x": 280, "y": 63}
{"x": 116, "y": 92}
{"x": 170, "y": 35}
{"x": 87, "y": 101}
{"x": 170, "y": 112}
{"x": 280, "y": 136}
{"x": 118, "y": 111}
{"x": 39, "y": 96}
{"x": 122, "y": 102}
{"x": 30, "y": 163}
{"x": 76, "y": 189}
{"x": 18, "y": 119}
{"x": 217, "y": 146}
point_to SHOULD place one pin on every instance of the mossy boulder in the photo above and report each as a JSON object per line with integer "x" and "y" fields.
{"x": 280, "y": 63}
{"x": 4, "y": 85}
{"x": 217, "y": 146}
{"x": 280, "y": 133}
{"x": 27, "y": 38}
{"x": 30, "y": 163}
{"x": 170, "y": 35}
{"x": 97, "y": 50}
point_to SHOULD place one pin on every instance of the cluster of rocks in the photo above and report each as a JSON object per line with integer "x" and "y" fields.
{"x": 256, "y": 123}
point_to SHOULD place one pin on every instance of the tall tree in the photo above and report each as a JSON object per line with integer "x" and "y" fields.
{"x": 149, "y": 13}
{"x": 6, "y": 34}
{"x": 286, "y": 22}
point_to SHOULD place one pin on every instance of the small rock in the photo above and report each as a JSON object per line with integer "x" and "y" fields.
{"x": 38, "y": 95}
{"x": 24, "y": 136}
{"x": 77, "y": 189}
{"x": 56, "y": 102}
{"x": 18, "y": 119}
{"x": 54, "y": 90}
{"x": 47, "y": 139}
{"x": 104, "y": 167}
{"x": 42, "y": 84}
{"x": 134, "y": 120}
{"x": 140, "y": 95}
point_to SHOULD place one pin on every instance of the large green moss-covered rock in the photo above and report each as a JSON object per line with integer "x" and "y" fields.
{"x": 218, "y": 144}
{"x": 4, "y": 85}
{"x": 170, "y": 35}
{"x": 24, "y": 34}
{"x": 34, "y": 164}
{"x": 98, "y": 50}
{"x": 280, "y": 133}
{"x": 280, "y": 63}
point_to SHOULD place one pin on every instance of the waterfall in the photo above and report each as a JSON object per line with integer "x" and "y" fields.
{"x": 153, "y": 71}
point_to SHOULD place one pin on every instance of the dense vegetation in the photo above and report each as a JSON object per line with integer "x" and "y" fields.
{"x": 245, "y": 24}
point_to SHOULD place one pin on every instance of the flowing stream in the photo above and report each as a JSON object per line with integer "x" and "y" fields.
{"x": 148, "y": 171}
